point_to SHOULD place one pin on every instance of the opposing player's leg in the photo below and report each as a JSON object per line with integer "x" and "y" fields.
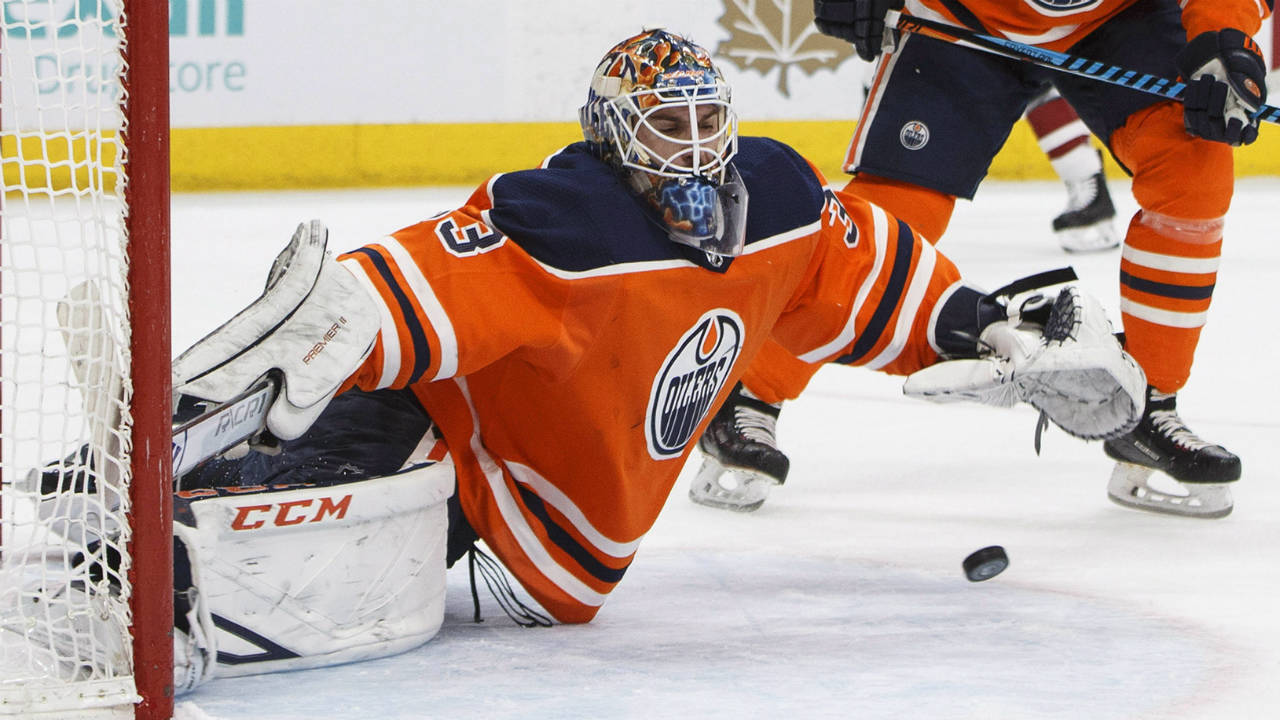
{"x": 1169, "y": 263}
{"x": 1087, "y": 224}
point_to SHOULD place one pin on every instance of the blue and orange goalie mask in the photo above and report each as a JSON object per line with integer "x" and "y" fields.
{"x": 659, "y": 113}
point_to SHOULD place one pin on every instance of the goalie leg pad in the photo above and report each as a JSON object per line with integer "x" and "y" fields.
{"x": 301, "y": 578}
{"x": 312, "y": 325}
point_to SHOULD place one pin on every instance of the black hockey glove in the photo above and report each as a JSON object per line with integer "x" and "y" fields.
{"x": 1226, "y": 84}
{"x": 860, "y": 22}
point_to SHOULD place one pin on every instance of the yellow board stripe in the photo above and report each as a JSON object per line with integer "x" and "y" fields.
{"x": 335, "y": 156}
{"x": 57, "y": 162}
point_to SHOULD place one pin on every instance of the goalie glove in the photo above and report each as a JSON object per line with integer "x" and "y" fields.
{"x": 310, "y": 329}
{"x": 1065, "y": 362}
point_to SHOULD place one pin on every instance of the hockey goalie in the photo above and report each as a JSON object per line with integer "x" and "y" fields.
{"x": 533, "y": 369}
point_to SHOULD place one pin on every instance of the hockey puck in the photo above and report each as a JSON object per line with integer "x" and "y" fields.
{"x": 986, "y": 563}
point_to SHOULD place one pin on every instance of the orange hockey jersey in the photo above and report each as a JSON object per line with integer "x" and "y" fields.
{"x": 571, "y": 354}
{"x": 1059, "y": 24}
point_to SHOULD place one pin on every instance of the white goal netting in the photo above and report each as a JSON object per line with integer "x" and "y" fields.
{"x": 65, "y": 646}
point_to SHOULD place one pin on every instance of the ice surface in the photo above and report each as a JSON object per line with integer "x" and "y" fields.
{"x": 843, "y": 597}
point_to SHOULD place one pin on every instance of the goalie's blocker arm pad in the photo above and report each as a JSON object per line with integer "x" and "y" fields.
{"x": 312, "y": 326}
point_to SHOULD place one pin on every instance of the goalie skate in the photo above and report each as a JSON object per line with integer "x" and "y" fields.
{"x": 741, "y": 460}
{"x": 730, "y": 488}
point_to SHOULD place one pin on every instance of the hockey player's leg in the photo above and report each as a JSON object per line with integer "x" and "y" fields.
{"x": 276, "y": 580}
{"x": 927, "y": 211}
{"x": 740, "y": 456}
{"x": 55, "y": 597}
{"x": 1087, "y": 224}
{"x": 310, "y": 328}
{"x": 1168, "y": 273}
{"x": 741, "y": 459}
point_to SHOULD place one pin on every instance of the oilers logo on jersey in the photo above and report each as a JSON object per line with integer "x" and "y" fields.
{"x": 1062, "y": 7}
{"x": 914, "y": 135}
{"x": 692, "y": 376}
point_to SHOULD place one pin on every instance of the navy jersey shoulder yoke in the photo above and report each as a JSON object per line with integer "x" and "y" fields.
{"x": 576, "y": 214}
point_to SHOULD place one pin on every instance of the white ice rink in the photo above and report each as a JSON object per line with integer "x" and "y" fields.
{"x": 843, "y": 596}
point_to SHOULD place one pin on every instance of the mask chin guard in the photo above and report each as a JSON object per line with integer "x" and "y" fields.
{"x": 703, "y": 215}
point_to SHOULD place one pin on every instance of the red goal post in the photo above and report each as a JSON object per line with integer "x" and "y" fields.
{"x": 1275, "y": 43}
{"x": 86, "y": 598}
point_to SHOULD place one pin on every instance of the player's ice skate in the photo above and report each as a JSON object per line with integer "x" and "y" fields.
{"x": 1087, "y": 225}
{"x": 1163, "y": 466}
{"x": 741, "y": 459}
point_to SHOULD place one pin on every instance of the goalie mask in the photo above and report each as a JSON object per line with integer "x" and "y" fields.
{"x": 659, "y": 114}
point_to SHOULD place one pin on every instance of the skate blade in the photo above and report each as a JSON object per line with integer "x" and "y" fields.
{"x": 729, "y": 488}
{"x": 1098, "y": 237}
{"x": 1129, "y": 487}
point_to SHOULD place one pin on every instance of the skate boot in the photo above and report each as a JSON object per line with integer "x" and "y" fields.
{"x": 741, "y": 459}
{"x": 1200, "y": 471}
{"x": 1087, "y": 223}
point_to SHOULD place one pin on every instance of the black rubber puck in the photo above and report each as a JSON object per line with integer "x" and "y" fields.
{"x": 986, "y": 563}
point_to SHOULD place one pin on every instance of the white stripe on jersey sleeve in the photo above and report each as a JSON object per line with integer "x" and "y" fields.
{"x": 390, "y": 336}
{"x": 880, "y": 231}
{"x": 436, "y": 315}
{"x": 910, "y": 306}
{"x": 937, "y": 311}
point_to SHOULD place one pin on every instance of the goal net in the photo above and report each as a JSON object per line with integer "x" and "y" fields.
{"x": 85, "y": 550}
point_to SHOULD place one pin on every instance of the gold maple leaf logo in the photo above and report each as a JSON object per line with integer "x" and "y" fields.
{"x": 765, "y": 34}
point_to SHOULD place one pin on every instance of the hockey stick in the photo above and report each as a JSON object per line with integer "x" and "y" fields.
{"x": 219, "y": 429}
{"x": 86, "y": 332}
{"x": 1062, "y": 62}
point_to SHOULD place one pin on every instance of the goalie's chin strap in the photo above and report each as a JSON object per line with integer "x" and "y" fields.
{"x": 500, "y": 587}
